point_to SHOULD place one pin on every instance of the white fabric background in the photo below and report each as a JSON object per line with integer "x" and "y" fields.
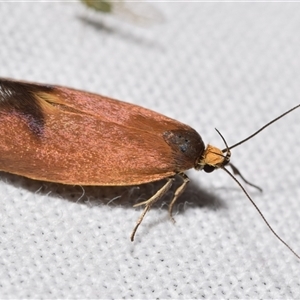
{"x": 233, "y": 66}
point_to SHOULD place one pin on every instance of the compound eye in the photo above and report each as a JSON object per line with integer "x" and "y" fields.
{"x": 208, "y": 168}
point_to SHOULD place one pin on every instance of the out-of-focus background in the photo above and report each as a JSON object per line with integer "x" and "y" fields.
{"x": 231, "y": 66}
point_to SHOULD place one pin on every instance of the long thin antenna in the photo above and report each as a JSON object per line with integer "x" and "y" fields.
{"x": 261, "y": 129}
{"x": 234, "y": 169}
{"x": 256, "y": 207}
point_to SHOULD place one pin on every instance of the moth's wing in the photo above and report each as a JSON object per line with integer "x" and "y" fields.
{"x": 64, "y": 135}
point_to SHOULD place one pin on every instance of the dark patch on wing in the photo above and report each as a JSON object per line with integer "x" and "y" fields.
{"x": 18, "y": 98}
{"x": 187, "y": 146}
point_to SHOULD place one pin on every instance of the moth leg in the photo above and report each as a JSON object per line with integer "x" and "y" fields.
{"x": 178, "y": 192}
{"x": 237, "y": 172}
{"x": 148, "y": 203}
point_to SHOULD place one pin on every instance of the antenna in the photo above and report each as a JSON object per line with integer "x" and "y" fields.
{"x": 235, "y": 170}
{"x": 261, "y": 214}
{"x": 261, "y": 129}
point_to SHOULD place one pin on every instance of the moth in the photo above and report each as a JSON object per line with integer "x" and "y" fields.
{"x": 64, "y": 135}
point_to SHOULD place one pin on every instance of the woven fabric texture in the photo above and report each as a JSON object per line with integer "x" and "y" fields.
{"x": 230, "y": 66}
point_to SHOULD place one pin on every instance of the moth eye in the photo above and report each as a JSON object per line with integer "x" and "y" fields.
{"x": 208, "y": 168}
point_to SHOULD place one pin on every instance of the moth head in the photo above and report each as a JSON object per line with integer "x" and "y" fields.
{"x": 214, "y": 158}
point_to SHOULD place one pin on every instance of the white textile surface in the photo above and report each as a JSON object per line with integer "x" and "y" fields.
{"x": 230, "y": 66}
